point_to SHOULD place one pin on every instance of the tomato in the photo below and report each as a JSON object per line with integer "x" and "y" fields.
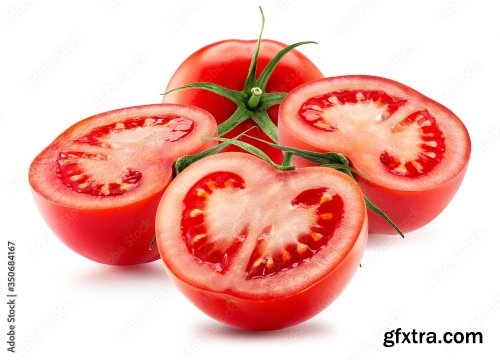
{"x": 411, "y": 151}
{"x": 226, "y": 63}
{"x": 98, "y": 184}
{"x": 257, "y": 248}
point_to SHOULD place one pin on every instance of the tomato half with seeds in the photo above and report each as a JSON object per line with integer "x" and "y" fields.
{"x": 99, "y": 183}
{"x": 257, "y": 248}
{"x": 412, "y": 151}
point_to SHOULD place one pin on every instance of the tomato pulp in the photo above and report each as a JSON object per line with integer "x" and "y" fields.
{"x": 257, "y": 248}
{"x": 227, "y": 63}
{"x": 412, "y": 152}
{"x": 99, "y": 183}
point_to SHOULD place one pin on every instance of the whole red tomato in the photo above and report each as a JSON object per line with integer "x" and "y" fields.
{"x": 411, "y": 152}
{"x": 99, "y": 183}
{"x": 246, "y": 80}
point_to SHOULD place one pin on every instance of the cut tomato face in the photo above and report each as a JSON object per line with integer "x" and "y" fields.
{"x": 98, "y": 184}
{"x": 257, "y": 248}
{"x": 411, "y": 151}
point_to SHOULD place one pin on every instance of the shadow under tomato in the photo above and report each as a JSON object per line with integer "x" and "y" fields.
{"x": 312, "y": 329}
{"x": 381, "y": 240}
{"x": 422, "y": 235}
{"x": 113, "y": 275}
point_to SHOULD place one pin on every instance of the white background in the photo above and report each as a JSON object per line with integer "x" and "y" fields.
{"x": 62, "y": 61}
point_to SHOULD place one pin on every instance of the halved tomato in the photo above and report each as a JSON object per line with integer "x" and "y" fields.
{"x": 257, "y": 248}
{"x": 411, "y": 151}
{"x": 99, "y": 183}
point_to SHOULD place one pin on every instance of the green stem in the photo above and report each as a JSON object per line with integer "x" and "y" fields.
{"x": 287, "y": 159}
{"x": 253, "y": 102}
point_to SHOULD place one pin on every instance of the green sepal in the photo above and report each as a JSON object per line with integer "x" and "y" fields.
{"x": 239, "y": 115}
{"x": 268, "y": 70}
{"x": 271, "y": 99}
{"x": 250, "y": 80}
{"x": 233, "y": 95}
{"x": 265, "y": 123}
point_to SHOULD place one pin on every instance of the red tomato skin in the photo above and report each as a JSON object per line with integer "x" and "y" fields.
{"x": 96, "y": 234}
{"x": 226, "y": 63}
{"x": 409, "y": 210}
{"x": 251, "y": 314}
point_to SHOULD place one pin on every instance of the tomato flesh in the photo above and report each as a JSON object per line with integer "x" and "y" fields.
{"x": 233, "y": 227}
{"x": 267, "y": 259}
{"x": 431, "y": 149}
{"x": 312, "y": 109}
{"x": 98, "y": 184}
{"x": 411, "y": 151}
{"x": 77, "y": 169}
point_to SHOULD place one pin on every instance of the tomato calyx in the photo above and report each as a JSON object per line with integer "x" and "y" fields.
{"x": 252, "y": 101}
